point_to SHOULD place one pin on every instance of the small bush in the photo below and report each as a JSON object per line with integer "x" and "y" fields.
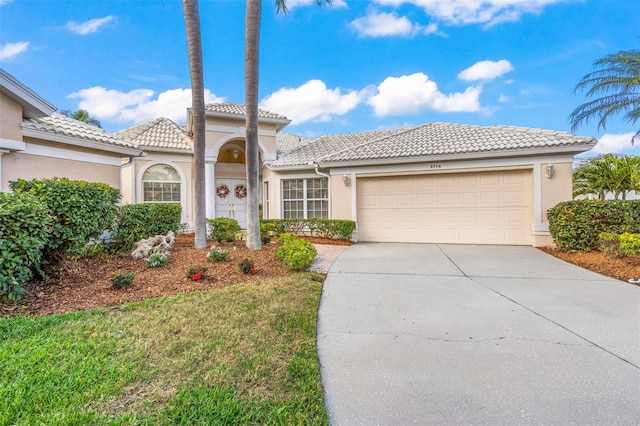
{"x": 630, "y": 243}
{"x": 297, "y": 254}
{"x": 156, "y": 259}
{"x": 287, "y": 237}
{"x": 217, "y": 254}
{"x": 247, "y": 266}
{"x": 224, "y": 229}
{"x": 24, "y": 232}
{"x": 197, "y": 272}
{"x": 81, "y": 210}
{"x": 577, "y": 224}
{"x": 610, "y": 243}
{"x": 136, "y": 222}
{"x": 121, "y": 280}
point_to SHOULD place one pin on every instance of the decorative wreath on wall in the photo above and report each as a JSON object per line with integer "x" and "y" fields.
{"x": 241, "y": 191}
{"x": 222, "y": 191}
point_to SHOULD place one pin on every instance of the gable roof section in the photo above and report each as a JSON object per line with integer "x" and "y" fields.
{"x": 307, "y": 151}
{"x": 59, "y": 128}
{"x": 161, "y": 133}
{"x": 437, "y": 140}
{"x": 32, "y": 104}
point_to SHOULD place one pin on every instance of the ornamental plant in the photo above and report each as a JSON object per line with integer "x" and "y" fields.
{"x": 224, "y": 228}
{"x": 121, "y": 280}
{"x": 217, "y": 254}
{"x": 156, "y": 259}
{"x": 197, "y": 272}
{"x": 247, "y": 266}
{"x": 296, "y": 253}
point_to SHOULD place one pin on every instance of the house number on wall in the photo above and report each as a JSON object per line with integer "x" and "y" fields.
{"x": 435, "y": 166}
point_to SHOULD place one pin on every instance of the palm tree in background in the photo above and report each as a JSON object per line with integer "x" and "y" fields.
{"x": 607, "y": 174}
{"x": 615, "y": 82}
{"x": 251, "y": 77}
{"x": 82, "y": 115}
{"x": 194, "y": 48}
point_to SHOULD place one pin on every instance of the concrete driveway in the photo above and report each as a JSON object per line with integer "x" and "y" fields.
{"x": 458, "y": 334}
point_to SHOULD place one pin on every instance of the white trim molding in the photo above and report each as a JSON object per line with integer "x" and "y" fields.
{"x": 183, "y": 185}
{"x": 70, "y": 154}
{"x": 12, "y": 145}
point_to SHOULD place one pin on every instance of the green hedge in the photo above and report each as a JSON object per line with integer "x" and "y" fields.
{"x": 24, "y": 231}
{"x": 334, "y": 229}
{"x": 81, "y": 210}
{"x": 577, "y": 224}
{"x": 138, "y": 221}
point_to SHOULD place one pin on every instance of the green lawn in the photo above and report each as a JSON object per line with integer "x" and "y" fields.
{"x": 245, "y": 354}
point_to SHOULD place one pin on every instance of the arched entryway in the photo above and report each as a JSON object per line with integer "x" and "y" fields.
{"x": 230, "y": 182}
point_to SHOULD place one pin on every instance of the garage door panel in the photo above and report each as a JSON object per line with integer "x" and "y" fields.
{"x": 487, "y": 207}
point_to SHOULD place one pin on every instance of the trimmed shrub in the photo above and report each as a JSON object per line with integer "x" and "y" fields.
{"x": 81, "y": 210}
{"x": 630, "y": 243}
{"x": 333, "y": 229}
{"x": 224, "y": 228}
{"x": 24, "y": 231}
{"x": 120, "y": 280}
{"x": 297, "y": 254}
{"x": 139, "y": 221}
{"x": 577, "y": 224}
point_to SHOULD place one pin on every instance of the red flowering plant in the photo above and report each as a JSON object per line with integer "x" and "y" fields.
{"x": 197, "y": 272}
{"x": 247, "y": 266}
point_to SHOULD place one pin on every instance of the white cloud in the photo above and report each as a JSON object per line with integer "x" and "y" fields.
{"x": 137, "y": 105}
{"x": 411, "y": 94}
{"x": 487, "y": 12}
{"x": 10, "y": 50}
{"x": 381, "y": 24}
{"x": 3, "y": 2}
{"x": 291, "y": 4}
{"x": 486, "y": 70}
{"x": 312, "y": 101}
{"x": 612, "y": 143}
{"x": 504, "y": 98}
{"x": 90, "y": 26}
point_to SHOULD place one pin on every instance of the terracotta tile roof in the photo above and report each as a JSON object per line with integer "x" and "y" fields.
{"x": 158, "y": 133}
{"x": 61, "y": 125}
{"x": 240, "y": 110}
{"x": 430, "y": 139}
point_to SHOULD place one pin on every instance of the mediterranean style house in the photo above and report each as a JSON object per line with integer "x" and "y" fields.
{"x": 435, "y": 183}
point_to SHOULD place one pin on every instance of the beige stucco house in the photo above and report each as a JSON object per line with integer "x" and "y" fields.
{"x": 436, "y": 182}
{"x": 35, "y": 142}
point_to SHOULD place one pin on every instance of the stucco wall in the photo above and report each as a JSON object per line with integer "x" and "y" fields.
{"x": 555, "y": 189}
{"x": 10, "y": 118}
{"x": 223, "y": 130}
{"x": 16, "y": 165}
{"x": 341, "y": 206}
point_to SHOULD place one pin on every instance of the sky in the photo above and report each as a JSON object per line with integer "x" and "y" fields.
{"x": 346, "y": 67}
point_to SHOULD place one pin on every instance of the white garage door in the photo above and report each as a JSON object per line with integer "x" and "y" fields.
{"x": 469, "y": 208}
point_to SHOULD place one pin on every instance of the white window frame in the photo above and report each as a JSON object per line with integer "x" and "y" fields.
{"x": 304, "y": 199}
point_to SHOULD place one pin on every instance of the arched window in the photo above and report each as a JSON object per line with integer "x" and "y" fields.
{"x": 161, "y": 184}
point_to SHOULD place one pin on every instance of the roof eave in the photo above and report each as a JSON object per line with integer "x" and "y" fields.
{"x": 167, "y": 150}
{"x": 282, "y": 121}
{"x": 32, "y": 104}
{"x": 564, "y": 149}
{"x": 69, "y": 140}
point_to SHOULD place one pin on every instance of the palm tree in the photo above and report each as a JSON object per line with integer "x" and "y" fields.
{"x": 606, "y": 174}
{"x": 82, "y": 115}
{"x": 617, "y": 78}
{"x": 251, "y": 77}
{"x": 194, "y": 48}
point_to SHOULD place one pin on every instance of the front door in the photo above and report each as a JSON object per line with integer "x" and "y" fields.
{"x": 231, "y": 200}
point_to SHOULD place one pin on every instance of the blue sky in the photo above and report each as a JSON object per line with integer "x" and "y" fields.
{"x": 348, "y": 67}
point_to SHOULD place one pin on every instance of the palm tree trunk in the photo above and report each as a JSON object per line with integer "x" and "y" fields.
{"x": 251, "y": 60}
{"x": 194, "y": 48}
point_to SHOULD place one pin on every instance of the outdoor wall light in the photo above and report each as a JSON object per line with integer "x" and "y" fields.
{"x": 235, "y": 154}
{"x": 346, "y": 180}
{"x": 550, "y": 170}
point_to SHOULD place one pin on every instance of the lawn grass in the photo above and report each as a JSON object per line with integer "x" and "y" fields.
{"x": 244, "y": 354}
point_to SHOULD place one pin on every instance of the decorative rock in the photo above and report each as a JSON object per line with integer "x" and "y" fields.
{"x": 635, "y": 281}
{"x": 161, "y": 243}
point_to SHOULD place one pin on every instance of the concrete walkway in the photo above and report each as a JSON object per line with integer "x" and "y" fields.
{"x": 458, "y": 334}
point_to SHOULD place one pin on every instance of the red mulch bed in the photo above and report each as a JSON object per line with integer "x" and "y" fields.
{"x": 621, "y": 268}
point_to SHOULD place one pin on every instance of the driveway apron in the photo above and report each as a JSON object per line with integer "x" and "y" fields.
{"x": 461, "y": 334}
